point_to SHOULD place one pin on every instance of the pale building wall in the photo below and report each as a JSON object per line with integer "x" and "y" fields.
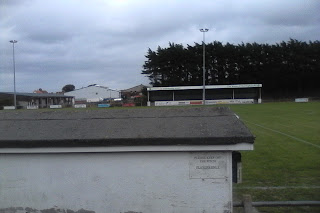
{"x": 179, "y": 182}
{"x": 94, "y": 92}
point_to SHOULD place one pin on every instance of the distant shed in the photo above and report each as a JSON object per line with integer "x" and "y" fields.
{"x": 39, "y": 100}
{"x": 215, "y": 94}
{"x": 126, "y": 160}
{"x": 94, "y": 93}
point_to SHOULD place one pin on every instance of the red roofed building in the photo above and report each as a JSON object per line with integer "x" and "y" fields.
{"x": 40, "y": 91}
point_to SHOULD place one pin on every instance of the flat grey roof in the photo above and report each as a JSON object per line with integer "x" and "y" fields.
{"x": 122, "y": 127}
{"x": 37, "y": 95}
{"x": 231, "y": 86}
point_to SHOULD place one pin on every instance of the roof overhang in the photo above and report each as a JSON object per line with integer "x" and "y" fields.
{"x": 153, "y": 129}
{"x": 234, "y": 86}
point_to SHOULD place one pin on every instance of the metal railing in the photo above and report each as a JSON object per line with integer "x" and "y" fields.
{"x": 248, "y": 205}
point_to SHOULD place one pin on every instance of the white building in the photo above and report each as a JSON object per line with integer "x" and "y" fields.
{"x": 159, "y": 160}
{"x": 94, "y": 93}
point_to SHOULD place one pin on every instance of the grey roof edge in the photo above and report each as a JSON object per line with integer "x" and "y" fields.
{"x": 243, "y": 123}
{"x": 124, "y": 142}
{"x": 38, "y": 95}
{"x": 94, "y": 85}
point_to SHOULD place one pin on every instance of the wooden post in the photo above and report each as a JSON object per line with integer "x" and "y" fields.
{"x": 247, "y": 204}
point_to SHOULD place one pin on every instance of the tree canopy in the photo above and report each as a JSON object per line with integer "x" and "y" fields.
{"x": 284, "y": 68}
{"x": 68, "y": 88}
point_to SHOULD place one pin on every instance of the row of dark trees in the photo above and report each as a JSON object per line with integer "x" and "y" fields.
{"x": 285, "y": 69}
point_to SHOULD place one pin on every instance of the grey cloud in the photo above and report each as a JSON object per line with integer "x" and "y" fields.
{"x": 104, "y": 42}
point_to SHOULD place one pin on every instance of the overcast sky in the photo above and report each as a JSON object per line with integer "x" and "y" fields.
{"x": 104, "y": 42}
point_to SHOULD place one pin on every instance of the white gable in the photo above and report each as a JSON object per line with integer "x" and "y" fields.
{"x": 94, "y": 93}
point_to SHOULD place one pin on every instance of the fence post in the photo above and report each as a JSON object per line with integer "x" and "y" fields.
{"x": 247, "y": 204}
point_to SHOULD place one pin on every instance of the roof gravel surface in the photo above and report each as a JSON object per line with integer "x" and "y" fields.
{"x": 122, "y": 127}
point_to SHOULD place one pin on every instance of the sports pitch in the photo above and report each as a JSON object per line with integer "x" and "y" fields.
{"x": 285, "y": 164}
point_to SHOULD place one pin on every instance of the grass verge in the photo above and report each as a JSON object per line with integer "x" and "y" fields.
{"x": 286, "y": 155}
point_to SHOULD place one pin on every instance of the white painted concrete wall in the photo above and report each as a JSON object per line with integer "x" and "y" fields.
{"x": 179, "y": 182}
{"x": 94, "y": 92}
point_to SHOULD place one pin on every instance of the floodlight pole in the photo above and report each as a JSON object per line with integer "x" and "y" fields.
{"x": 204, "y": 67}
{"x": 14, "y": 74}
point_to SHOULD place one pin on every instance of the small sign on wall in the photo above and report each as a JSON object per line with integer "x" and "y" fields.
{"x": 208, "y": 102}
{"x": 302, "y": 100}
{"x": 208, "y": 165}
{"x": 8, "y": 107}
{"x": 80, "y": 106}
{"x": 55, "y": 106}
{"x": 103, "y": 105}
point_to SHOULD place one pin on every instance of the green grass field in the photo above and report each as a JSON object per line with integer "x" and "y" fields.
{"x": 285, "y": 164}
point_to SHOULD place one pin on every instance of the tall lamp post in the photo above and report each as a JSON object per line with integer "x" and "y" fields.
{"x": 204, "y": 67}
{"x": 14, "y": 74}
